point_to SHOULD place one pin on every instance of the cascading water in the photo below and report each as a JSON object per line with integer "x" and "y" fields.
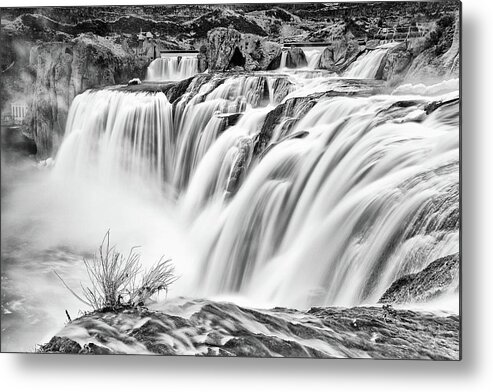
{"x": 367, "y": 65}
{"x": 313, "y": 56}
{"x": 284, "y": 56}
{"x": 256, "y": 189}
{"x": 330, "y": 218}
{"x": 172, "y": 68}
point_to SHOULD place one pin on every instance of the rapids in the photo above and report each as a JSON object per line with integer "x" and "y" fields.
{"x": 355, "y": 186}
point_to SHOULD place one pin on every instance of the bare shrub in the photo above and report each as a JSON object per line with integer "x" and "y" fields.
{"x": 114, "y": 279}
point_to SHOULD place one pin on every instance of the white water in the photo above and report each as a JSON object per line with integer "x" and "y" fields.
{"x": 332, "y": 218}
{"x": 367, "y": 65}
{"x": 284, "y": 55}
{"x": 312, "y": 55}
{"x": 172, "y": 68}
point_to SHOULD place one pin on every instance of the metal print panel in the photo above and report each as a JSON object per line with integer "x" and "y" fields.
{"x": 263, "y": 180}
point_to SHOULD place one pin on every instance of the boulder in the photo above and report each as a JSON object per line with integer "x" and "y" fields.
{"x": 295, "y": 58}
{"x": 395, "y": 63}
{"x": 61, "y": 345}
{"x": 202, "y": 58}
{"x": 229, "y": 49}
{"x": 340, "y": 55}
{"x": 222, "y": 43}
{"x": 440, "y": 276}
{"x": 134, "y": 82}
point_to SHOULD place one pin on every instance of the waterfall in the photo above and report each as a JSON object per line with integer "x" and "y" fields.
{"x": 336, "y": 217}
{"x": 367, "y": 65}
{"x": 313, "y": 56}
{"x": 284, "y": 56}
{"x": 172, "y": 68}
{"x": 350, "y": 194}
{"x": 116, "y": 136}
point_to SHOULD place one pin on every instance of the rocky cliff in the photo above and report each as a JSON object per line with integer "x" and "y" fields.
{"x": 229, "y": 49}
{"x": 64, "y": 69}
{"x": 438, "y": 56}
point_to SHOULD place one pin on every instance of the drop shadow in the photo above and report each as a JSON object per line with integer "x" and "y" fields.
{"x": 369, "y": 369}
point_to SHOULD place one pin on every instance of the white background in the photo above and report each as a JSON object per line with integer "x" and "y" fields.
{"x": 473, "y": 373}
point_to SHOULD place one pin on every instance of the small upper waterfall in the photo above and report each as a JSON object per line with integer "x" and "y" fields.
{"x": 313, "y": 56}
{"x": 172, "y": 68}
{"x": 284, "y": 56}
{"x": 367, "y": 65}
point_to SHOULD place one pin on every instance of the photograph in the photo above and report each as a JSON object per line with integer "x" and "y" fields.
{"x": 257, "y": 180}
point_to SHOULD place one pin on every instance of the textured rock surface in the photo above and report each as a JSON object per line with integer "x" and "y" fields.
{"x": 439, "y": 57}
{"x": 229, "y": 49}
{"x": 199, "y": 327}
{"x": 295, "y": 58}
{"x": 340, "y": 56}
{"x": 395, "y": 63}
{"x": 439, "y": 277}
{"x": 65, "y": 69}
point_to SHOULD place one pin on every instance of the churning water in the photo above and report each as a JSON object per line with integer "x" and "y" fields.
{"x": 348, "y": 192}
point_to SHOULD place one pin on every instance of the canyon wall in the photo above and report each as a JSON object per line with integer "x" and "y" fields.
{"x": 63, "y": 70}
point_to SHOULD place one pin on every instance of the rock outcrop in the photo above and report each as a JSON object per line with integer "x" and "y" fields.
{"x": 65, "y": 69}
{"x": 229, "y": 49}
{"x": 338, "y": 57}
{"x": 438, "y": 58}
{"x": 395, "y": 64}
{"x": 440, "y": 277}
{"x": 295, "y": 58}
{"x": 205, "y": 328}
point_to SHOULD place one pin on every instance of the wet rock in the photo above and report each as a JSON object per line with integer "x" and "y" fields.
{"x": 61, "y": 345}
{"x": 295, "y": 58}
{"x": 440, "y": 276}
{"x": 202, "y": 58}
{"x": 282, "y": 87}
{"x": 340, "y": 55}
{"x": 222, "y": 43}
{"x": 205, "y": 328}
{"x": 229, "y": 49}
{"x": 94, "y": 349}
{"x": 294, "y": 108}
{"x": 240, "y": 165}
{"x": 135, "y": 81}
{"x": 395, "y": 63}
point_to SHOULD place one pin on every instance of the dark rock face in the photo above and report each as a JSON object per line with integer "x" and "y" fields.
{"x": 294, "y": 108}
{"x": 222, "y": 45}
{"x": 204, "y": 328}
{"x": 395, "y": 63}
{"x": 229, "y": 49}
{"x": 439, "y": 57}
{"x": 241, "y": 163}
{"x": 440, "y": 276}
{"x": 62, "y": 346}
{"x": 65, "y": 69}
{"x": 295, "y": 58}
{"x": 340, "y": 56}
